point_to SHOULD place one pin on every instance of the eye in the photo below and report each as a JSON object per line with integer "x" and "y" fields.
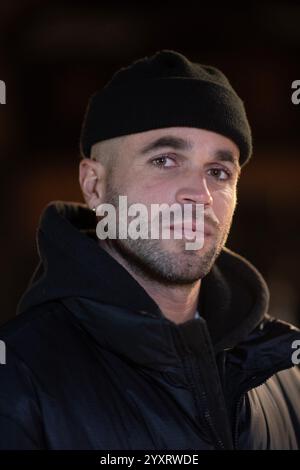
{"x": 163, "y": 161}
{"x": 220, "y": 174}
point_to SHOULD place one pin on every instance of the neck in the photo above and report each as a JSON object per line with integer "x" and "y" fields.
{"x": 178, "y": 303}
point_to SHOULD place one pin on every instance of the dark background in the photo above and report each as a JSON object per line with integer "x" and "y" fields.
{"x": 53, "y": 55}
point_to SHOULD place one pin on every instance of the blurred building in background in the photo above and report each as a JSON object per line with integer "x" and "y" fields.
{"x": 54, "y": 55}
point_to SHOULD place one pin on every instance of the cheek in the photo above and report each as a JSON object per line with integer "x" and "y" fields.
{"x": 224, "y": 202}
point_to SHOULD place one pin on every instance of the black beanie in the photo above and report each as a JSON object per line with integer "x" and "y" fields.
{"x": 166, "y": 90}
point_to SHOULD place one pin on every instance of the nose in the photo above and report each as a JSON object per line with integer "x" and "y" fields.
{"x": 195, "y": 190}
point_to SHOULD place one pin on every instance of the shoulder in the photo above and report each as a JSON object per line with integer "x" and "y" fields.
{"x": 40, "y": 345}
{"x": 287, "y": 382}
{"x": 37, "y": 328}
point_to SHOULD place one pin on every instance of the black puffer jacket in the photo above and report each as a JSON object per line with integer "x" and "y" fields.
{"x": 92, "y": 363}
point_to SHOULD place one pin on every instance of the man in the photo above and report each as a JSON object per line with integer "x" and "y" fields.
{"x": 139, "y": 343}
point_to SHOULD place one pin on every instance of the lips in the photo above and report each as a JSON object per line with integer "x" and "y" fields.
{"x": 189, "y": 227}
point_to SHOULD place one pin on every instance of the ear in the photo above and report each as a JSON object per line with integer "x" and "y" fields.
{"x": 92, "y": 181}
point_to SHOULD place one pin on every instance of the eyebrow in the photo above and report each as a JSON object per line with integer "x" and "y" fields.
{"x": 178, "y": 143}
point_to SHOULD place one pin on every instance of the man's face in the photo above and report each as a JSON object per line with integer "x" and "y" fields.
{"x": 176, "y": 165}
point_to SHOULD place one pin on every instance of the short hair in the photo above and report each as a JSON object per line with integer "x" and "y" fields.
{"x": 107, "y": 152}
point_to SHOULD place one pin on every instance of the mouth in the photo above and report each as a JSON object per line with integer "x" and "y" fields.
{"x": 191, "y": 228}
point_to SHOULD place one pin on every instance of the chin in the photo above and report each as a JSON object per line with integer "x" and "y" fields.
{"x": 179, "y": 247}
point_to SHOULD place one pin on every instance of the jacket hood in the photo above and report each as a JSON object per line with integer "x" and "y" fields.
{"x": 233, "y": 297}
